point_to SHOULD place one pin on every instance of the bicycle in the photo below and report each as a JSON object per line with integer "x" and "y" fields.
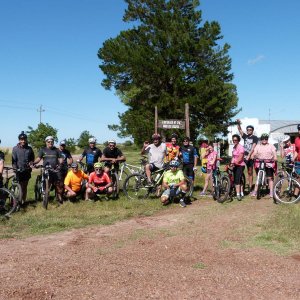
{"x": 42, "y": 186}
{"x": 127, "y": 169}
{"x": 136, "y": 185}
{"x": 12, "y": 182}
{"x": 222, "y": 185}
{"x": 261, "y": 181}
{"x": 284, "y": 188}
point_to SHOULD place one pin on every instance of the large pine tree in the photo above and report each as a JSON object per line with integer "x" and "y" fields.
{"x": 166, "y": 60}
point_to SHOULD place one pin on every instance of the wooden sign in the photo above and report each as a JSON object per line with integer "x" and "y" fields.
{"x": 171, "y": 124}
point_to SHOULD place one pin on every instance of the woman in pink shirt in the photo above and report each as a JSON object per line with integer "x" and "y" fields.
{"x": 211, "y": 157}
{"x": 238, "y": 164}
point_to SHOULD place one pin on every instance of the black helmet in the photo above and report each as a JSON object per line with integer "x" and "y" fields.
{"x": 250, "y": 126}
{"x": 156, "y": 136}
{"x": 174, "y": 135}
{"x": 22, "y": 136}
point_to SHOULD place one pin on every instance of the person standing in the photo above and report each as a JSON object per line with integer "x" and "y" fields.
{"x": 21, "y": 160}
{"x": 67, "y": 159}
{"x": 250, "y": 142}
{"x": 238, "y": 164}
{"x": 112, "y": 155}
{"x": 92, "y": 154}
{"x": 287, "y": 150}
{"x": 2, "y": 156}
{"x": 172, "y": 148}
{"x": 51, "y": 156}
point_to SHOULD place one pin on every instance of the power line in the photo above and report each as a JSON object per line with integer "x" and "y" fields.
{"x": 40, "y": 110}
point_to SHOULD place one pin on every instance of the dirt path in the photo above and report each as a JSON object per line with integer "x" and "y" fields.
{"x": 177, "y": 254}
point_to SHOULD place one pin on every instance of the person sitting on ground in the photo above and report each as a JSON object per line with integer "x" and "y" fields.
{"x": 211, "y": 156}
{"x": 174, "y": 184}
{"x": 99, "y": 182}
{"x": 156, "y": 155}
{"x": 172, "y": 148}
{"x": 92, "y": 154}
{"x": 74, "y": 181}
{"x": 265, "y": 151}
{"x": 112, "y": 156}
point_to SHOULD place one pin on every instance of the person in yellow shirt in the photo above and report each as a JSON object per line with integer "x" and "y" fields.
{"x": 74, "y": 180}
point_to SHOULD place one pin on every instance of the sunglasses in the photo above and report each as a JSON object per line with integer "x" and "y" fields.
{"x": 264, "y": 139}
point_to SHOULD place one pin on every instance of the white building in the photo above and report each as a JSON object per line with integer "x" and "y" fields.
{"x": 277, "y": 129}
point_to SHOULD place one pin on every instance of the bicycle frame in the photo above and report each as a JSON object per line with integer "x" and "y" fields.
{"x": 132, "y": 168}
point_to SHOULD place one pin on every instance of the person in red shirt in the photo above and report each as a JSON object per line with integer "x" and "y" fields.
{"x": 297, "y": 145}
{"x": 99, "y": 182}
{"x": 172, "y": 148}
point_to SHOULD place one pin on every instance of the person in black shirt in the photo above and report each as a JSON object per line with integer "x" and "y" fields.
{"x": 51, "y": 156}
{"x": 250, "y": 141}
{"x": 92, "y": 154}
{"x": 112, "y": 155}
{"x": 1, "y": 166}
{"x": 22, "y": 158}
{"x": 67, "y": 159}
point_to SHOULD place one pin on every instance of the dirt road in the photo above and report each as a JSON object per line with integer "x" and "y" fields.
{"x": 194, "y": 253}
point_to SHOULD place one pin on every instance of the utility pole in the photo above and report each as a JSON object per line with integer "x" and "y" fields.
{"x": 40, "y": 110}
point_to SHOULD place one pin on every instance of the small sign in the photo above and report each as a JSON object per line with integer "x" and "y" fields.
{"x": 171, "y": 124}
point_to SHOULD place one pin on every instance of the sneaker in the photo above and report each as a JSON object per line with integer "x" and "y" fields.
{"x": 253, "y": 194}
{"x": 202, "y": 194}
{"x": 149, "y": 184}
{"x": 271, "y": 195}
{"x": 239, "y": 197}
{"x": 182, "y": 203}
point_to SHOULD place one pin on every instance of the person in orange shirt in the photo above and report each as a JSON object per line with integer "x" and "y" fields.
{"x": 172, "y": 148}
{"x": 74, "y": 181}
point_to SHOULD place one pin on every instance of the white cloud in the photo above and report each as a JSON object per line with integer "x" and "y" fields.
{"x": 256, "y": 60}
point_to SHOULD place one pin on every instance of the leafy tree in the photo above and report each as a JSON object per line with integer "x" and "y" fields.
{"x": 166, "y": 60}
{"x": 71, "y": 144}
{"x": 36, "y": 137}
{"x": 83, "y": 139}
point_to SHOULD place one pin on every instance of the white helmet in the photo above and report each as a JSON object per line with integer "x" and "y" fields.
{"x": 49, "y": 138}
{"x": 286, "y": 139}
{"x": 92, "y": 140}
{"x": 111, "y": 142}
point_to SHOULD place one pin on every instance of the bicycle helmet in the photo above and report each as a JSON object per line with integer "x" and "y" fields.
{"x": 174, "y": 164}
{"x": 111, "y": 142}
{"x": 203, "y": 170}
{"x": 22, "y": 136}
{"x": 174, "y": 135}
{"x": 63, "y": 142}
{"x": 156, "y": 136}
{"x": 92, "y": 140}
{"x": 264, "y": 136}
{"x": 99, "y": 165}
{"x": 286, "y": 139}
{"x": 49, "y": 138}
{"x": 250, "y": 126}
{"x": 74, "y": 165}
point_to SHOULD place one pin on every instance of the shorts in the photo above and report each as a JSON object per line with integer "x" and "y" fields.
{"x": 269, "y": 172}
{"x": 297, "y": 167}
{"x": 171, "y": 193}
{"x": 100, "y": 190}
{"x": 188, "y": 171}
{"x": 237, "y": 174}
{"x": 153, "y": 167}
{"x": 24, "y": 176}
{"x": 249, "y": 163}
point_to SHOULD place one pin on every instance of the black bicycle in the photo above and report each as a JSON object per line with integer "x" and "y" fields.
{"x": 42, "y": 184}
{"x": 11, "y": 192}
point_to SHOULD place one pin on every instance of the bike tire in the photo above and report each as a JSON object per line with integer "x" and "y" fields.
{"x": 46, "y": 193}
{"x": 37, "y": 189}
{"x": 8, "y": 202}
{"x": 259, "y": 187}
{"x": 135, "y": 187}
{"x": 115, "y": 186}
{"x": 224, "y": 189}
{"x": 17, "y": 190}
{"x": 284, "y": 190}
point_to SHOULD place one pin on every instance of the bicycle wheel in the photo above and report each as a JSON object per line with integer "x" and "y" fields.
{"x": 37, "y": 189}
{"x": 224, "y": 188}
{"x": 190, "y": 186}
{"x": 259, "y": 186}
{"x": 284, "y": 190}
{"x": 16, "y": 189}
{"x": 8, "y": 202}
{"x": 115, "y": 186}
{"x": 135, "y": 187}
{"x": 45, "y": 193}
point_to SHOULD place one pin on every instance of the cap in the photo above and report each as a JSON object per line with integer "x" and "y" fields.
{"x": 250, "y": 126}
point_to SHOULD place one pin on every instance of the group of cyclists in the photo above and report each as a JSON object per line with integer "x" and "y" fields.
{"x": 68, "y": 179}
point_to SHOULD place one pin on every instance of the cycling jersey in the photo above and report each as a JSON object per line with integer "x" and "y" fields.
{"x": 101, "y": 180}
{"x": 188, "y": 154}
{"x": 92, "y": 155}
{"x": 50, "y": 156}
{"x": 297, "y": 146}
{"x": 65, "y": 154}
{"x": 172, "y": 177}
{"x": 172, "y": 151}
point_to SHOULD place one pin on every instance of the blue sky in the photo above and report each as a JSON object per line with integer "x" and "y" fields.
{"x": 48, "y": 57}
